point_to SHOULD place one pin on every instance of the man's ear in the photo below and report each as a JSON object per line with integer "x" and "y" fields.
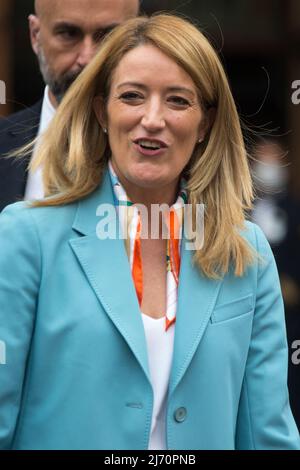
{"x": 209, "y": 119}
{"x": 100, "y": 111}
{"x": 34, "y": 28}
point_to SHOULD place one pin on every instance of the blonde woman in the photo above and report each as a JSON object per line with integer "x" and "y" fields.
{"x": 115, "y": 339}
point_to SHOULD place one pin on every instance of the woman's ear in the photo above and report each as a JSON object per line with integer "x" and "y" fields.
{"x": 100, "y": 111}
{"x": 207, "y": 123}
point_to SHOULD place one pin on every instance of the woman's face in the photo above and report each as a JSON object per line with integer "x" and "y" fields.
{"x": 153, "y": 117}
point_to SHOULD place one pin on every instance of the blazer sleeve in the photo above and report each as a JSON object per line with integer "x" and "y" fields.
{"x": 20, "y": 264}
{"x": 264, "y": 419}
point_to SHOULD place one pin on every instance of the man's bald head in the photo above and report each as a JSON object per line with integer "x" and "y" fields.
{"x": 65, "y": 36}
{"x": 38, "y": 7}
{"x": 41, "y": 7}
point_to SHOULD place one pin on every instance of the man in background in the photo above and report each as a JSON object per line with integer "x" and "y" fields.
{"x": 65, "y": 36}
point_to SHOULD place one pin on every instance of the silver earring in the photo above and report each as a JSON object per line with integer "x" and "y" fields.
{"x": 104, "y": 130}
{"x": 200, "y": 140}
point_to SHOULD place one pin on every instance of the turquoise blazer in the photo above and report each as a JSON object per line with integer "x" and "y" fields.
{"x": 75, "y": 372}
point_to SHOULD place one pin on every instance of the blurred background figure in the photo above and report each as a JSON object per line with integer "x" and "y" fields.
{"x": 277, "y": 212}
{"x": 271, "y": 175}
{"x": 65, "y": 36}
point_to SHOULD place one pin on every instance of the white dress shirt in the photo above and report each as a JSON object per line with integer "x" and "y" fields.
{"x": 34, "y": 186}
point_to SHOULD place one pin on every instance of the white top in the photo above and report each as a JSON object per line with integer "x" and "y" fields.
{"x": 34, "y": 187}
{"x": 160, "y": 352}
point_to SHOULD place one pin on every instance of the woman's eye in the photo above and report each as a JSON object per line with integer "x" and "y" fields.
{"x": 130, "y": 96}
{"x": 179, "y": 100}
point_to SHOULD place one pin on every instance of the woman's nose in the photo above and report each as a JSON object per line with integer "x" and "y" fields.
{"x": 153, "y": 118}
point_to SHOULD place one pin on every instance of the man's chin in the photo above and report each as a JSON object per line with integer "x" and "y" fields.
{"x": 59, "y": 90}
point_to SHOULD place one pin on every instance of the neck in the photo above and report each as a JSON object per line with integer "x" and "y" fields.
{"x": 147, "y": 196}
{"x": 166, "y": 194}
{"x": 156, "y": 202}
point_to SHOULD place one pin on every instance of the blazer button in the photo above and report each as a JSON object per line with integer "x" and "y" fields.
{"x": 180, "y": 415}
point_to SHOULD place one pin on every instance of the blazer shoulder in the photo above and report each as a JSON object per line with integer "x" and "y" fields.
{"x": 257, "y": 239}
{"x": 255, "y": 236}
{"x": 42, "y": 218}
{"x": 26, "y": 117}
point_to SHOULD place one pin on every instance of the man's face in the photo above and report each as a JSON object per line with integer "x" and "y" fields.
{"x": 65, "y": 35}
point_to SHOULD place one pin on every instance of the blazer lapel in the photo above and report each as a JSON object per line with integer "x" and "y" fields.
{"x": 107, "y": 269}
{"x": 197, "y": 296}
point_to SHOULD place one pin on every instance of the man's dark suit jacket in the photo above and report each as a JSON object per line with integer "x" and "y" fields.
{"x": 16, "y": 130}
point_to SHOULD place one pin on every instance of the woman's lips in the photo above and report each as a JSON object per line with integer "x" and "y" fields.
{"x": 149, "y": 152}
{"x": 144, "y": 146}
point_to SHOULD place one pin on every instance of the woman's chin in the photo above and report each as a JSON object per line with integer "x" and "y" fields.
{"x": 148, "y": 179}
{"x": 150, "y": 182}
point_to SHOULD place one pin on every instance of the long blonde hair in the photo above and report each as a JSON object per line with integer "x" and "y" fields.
{"x": 74, "y": 150}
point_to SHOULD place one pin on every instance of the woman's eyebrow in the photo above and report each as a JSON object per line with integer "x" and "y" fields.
{"x": 173, "y": 89}
{"x": 134, "y": 84}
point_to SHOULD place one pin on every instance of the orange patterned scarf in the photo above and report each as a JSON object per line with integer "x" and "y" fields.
{"x": 130, "y": 221}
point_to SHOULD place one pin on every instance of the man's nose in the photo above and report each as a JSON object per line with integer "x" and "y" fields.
{"x": 153, "y": 117}
{"x": 87, "y": 50}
